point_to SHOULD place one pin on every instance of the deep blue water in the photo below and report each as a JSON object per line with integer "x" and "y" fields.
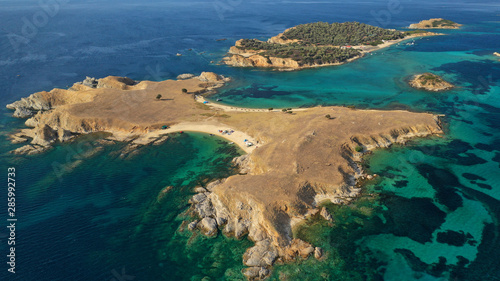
{"x": 85, "y": 213}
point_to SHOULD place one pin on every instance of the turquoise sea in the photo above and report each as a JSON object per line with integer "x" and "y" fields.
{"x": 88, "y": 212}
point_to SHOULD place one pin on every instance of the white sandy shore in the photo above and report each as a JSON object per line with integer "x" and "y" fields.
{"x": 388, "y": 43}
{"x": 229, "y": 108}
{"x": 204, "y": 127}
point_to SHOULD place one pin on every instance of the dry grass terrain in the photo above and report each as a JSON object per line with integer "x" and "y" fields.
{"x": 298, "y": 160}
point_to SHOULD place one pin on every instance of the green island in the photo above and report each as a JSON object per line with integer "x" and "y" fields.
{"x": 437, "y": 23}
{"x": 316, "y": 44}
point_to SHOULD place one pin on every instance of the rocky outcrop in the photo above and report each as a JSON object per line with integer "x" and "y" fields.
{"x": 27, "y": 107}
{"x": 114, "y": 82}
{"x": 437, "y": 23}
{"x": 185, "y": 76}
{"x": 430, "y": 82}
{"x": 22, "y": 112}
{"x": 318, "y": 253}
{"x": 208, "y": 225}
{"x": 325, "y": 214}
{"x": 89, "y": 82}
{"x": 210, "y": 77}
{"x": 212, "y": 80}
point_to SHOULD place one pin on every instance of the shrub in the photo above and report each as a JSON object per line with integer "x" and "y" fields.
{"x": 328, "y": 116}
{"x": 351, "y": 106}
{"x": 270, "y": 109}
{"x": 284, "y": 110}
{"x": 158, "y": 97}
{"x": 184, "y": 90}
{"x": 358, "y": 148}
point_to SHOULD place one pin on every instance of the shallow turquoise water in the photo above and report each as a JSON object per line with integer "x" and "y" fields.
{"x": 88, "y": 214}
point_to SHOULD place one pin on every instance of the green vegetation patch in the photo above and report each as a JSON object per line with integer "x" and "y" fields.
{"x": 430, "y": 78}
{"x": 303, "y": 54}
{"x": 323, "y": 43}
{"x": 340, "y": 34}
{"x": 443, "y": 23}
{"x": 412, "y": 32}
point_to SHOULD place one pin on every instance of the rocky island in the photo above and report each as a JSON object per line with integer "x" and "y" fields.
{"x": 430, "y": 82}
{"x": 300, "y": 158}
{"x": 315, "y": 44}
{"x": 437, "y": 23}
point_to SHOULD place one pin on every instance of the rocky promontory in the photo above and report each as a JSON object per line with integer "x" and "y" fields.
{"x": 430, "y": 82}
{"x": 437, "y": 23}
{"x": 95, "y": 105}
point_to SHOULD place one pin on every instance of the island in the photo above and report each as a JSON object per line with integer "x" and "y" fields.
{"x": 294, "y": 160}
{"x": 430, "y": 82}
{"x": 437, "y": 23}
{"x": 496, "y": 54}
{"x": 315, "y": 44}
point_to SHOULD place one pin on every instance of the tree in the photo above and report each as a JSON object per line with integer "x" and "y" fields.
{"x": 158, "y": 97}
{"x": 328, "y": 116}
{"x": 184, "y": 90}
{"x": 270, "y": 109}
{"x": 358, "y": 148}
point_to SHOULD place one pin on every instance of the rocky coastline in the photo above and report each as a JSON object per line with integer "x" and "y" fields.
{"x": 219, "y": 210}
{"x": 302, "y": 160}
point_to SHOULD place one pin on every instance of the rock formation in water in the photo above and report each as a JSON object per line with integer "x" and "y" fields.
{"x": 430, "y": 82}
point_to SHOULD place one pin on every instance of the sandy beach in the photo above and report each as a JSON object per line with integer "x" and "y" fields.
{"x": 237, "y": 137}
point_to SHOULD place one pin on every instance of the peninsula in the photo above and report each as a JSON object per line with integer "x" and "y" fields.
{"x": 430, "y": 82}
{"x": 315, "y": 44}
{"x": 299, "y": 158}
{"x": 437, "y": 23}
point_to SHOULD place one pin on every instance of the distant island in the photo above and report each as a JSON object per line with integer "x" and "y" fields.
{"x": 430, "y": 82}
{"x": 296, "y": 159}
{"x": 316, "y": 44}
{"x": 437, "y": 23}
